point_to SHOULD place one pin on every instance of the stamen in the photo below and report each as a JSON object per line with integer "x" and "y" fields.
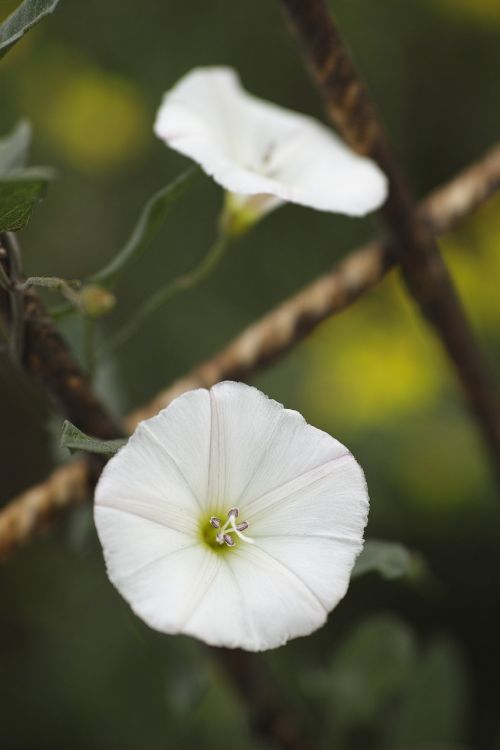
{"x": 222, "y": 536}
{"x": 237, "y": 531}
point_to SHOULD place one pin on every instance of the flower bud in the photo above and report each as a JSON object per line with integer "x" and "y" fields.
{"x": 96, "y": 300}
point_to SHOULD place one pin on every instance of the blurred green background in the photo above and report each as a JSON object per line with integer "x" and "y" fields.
{"x": 400, "y": 665}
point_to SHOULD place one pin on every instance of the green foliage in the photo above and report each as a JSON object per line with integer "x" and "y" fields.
{"x": 432, "y": 711}
{"x": 75, "y": 440}
{"x": 20, "y": 188}
{"x": 389, "y": 559}
{"x": 14, "y": 148}
{"x": 382, "y": 690}
{"x": 171, "y": 288}
{"x": 370, "y": 668}
{"x": 76, "y": 656}
{"x": 20, "y": 191}
{"x": 149, "y": 224}
{"x": 29, "y": 13}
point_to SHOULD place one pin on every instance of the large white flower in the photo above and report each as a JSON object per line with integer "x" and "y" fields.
{"x": 264, "y": 154}
{"x": 227, "y": 517}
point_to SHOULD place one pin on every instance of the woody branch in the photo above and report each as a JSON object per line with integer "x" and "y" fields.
{"x": 412, "y": 242}
{"x": 271, "y": 337}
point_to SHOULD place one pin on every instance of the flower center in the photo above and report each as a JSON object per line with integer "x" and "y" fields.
{"x": 225, "y": 532}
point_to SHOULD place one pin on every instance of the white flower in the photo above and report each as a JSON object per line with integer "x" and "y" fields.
{"x": 229, "y": 518}
{"x": 264, "y": 154}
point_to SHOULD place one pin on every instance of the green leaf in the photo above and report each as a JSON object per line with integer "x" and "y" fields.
{"x": 75, "y": 440}
{"x": 432, "y": 714}
{"x": 389, "y": 559}
{"x": 20, "y": 191}
{"x": 21, "y": 20}
{"x": 370, "y": 668}
{"x": 150, "y": 222}
{"x": 14, "y": 147}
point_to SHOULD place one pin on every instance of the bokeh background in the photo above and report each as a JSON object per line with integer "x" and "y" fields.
{"x": 405, "y": 665}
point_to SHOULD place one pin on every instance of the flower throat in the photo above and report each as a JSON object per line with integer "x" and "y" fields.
{"x": 222, "y": 534}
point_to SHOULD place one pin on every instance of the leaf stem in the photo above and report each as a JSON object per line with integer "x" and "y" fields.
{"x": 145, "y": 230}
{"x": 67, "y": 288}
{"x": 4, "y": 280}
{"x": 180, "y": 284}
{"x": 89, "y": 331}
{"x": 148, "y": 225}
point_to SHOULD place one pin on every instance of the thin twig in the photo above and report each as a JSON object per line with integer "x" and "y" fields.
{"x": 183, "y": 283}
{"x": 266, "y": 715}
{"x": 46, "y": 355}
{"x": 43, "y": 502}
{"x": 263, "y": 342}
{"x": 427, "y": 278}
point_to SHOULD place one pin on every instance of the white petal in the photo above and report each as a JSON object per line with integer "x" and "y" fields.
{"x": 182, "y": 432}
{"x": 244, "y": 423}
{"x": 314, "y": 526}
{"x": 143, "y": 479}
{"x": 255, "y": 603}
{"x": 300, "y": 489}
{"x": 291, "y": 450}
{"x": 133, "y": 543}
{"x": 252, "y": 147}
{"x": 161, "y": 573}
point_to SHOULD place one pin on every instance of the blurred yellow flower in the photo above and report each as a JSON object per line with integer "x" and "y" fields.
{"x": 380, "y": 360}
{"x": 95, "y": 118}
{"x": 474, "y": 259}
{"x": 372, "y": 366}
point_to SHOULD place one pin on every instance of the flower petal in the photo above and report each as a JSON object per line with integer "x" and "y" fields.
{"x": 161, "y": 573}
{"x": 279, "y": 605}
{"x": 144, "y": 480}
{"x": 132, "y": 543}
{"x": 301, "y": 491}
{"x": 256, "y": 603}
{"x": 314, "y": 498}
{"x": 314, "y": 526}
{"x": 243, "y": 424}
{"x": 252, "y": 147}
{"x": 182, "y": 433}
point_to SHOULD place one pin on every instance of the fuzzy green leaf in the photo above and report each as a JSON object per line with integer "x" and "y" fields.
{"x": 389, "y": 559}
{"x": 20, "y": 191}
{"x": 29, "y": 13}
{"x": 75, "y": 440}
{"x": 14, "y": 148}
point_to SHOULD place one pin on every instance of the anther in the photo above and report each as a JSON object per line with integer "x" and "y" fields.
{"x": 223, "y": 535}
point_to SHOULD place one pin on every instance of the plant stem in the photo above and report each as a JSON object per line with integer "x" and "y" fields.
{"x": 425, "y": 273}
{"x": 181, "y": 284}
{"x": 89, "y": 331}
{"x": 148, "y": 225}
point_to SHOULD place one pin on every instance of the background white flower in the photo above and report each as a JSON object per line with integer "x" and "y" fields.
{"x": 180, "y": 557}
{"x": 262, "y": 153}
